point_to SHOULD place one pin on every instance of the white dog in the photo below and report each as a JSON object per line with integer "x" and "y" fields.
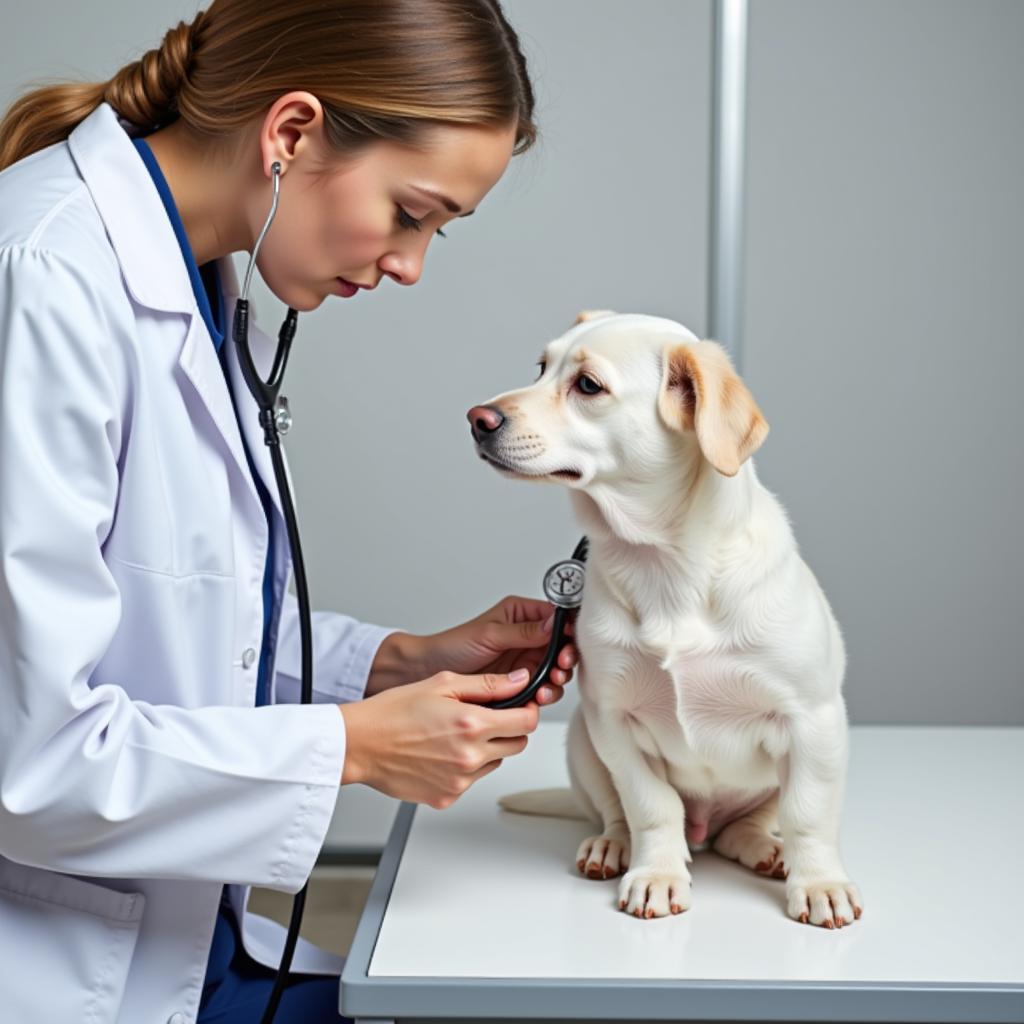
{"x": 711, "y": 665}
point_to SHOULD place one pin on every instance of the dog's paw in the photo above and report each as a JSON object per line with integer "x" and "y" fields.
{"x": 829, "y": 904}
{"x": 654, "y": 892}
{"x": 753, "y": 848}
{"x": 603, "y": 856}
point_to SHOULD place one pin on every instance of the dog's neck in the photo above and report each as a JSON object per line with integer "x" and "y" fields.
{"x": 688, "y": 504}
{"x": 662, "y": 549}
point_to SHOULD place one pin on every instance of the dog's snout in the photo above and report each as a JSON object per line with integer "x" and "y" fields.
{"x": 484, "y": 420}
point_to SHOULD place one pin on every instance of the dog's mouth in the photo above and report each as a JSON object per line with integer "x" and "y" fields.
{"x": 561, "y": 474}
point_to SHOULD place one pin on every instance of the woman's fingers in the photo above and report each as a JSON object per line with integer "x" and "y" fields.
{"x": 567, "y": 658}
{"x": 524, "y": 609}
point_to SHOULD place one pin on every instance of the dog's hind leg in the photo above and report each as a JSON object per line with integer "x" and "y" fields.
{"x": 753, "y": 840}
{"x": 606, "y": 855}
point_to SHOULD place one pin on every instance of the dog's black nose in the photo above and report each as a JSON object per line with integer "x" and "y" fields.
{"x": 484, "y": 420}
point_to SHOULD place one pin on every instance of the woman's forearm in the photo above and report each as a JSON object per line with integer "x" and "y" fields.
{"x": 398, "y": 660}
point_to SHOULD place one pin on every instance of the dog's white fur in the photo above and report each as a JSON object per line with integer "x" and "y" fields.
{"x": 711, "y": 664}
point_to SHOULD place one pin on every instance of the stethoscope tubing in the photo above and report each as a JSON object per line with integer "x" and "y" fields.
{"x": 306, "y": 697}
{"x": 555, "y": 644}
{"x": 266, "y": 393}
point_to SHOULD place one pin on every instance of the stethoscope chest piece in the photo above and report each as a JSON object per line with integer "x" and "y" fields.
{"x": 563, "y": 583}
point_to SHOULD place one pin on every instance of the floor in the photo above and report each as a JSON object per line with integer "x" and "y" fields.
{"x": 333, "y": 905}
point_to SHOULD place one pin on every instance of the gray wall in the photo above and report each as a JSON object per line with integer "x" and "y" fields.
{"x": 883, "y": 312}
{"x": 884, "y": 335}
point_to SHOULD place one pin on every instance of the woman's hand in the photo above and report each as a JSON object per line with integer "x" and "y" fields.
{"x": 418, "y": 736}
{"x": 508, "y": 636}
{"x": 429, "y": 741}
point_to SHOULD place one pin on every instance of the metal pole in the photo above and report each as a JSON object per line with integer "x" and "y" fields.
{"x": 728, "y": 126}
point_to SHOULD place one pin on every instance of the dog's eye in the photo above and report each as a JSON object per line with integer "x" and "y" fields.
{"x": 588, "y": 385}
{"x": 543, "y": 366}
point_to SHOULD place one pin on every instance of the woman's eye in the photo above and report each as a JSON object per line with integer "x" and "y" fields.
{"x": 407, "y": 220}
{"x": 543, "y": 366}
{"x": 588, "y": 385}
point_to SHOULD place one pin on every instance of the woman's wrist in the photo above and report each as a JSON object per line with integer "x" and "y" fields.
{"x": 399, "y": 660}
{"x": 352, "y": 767}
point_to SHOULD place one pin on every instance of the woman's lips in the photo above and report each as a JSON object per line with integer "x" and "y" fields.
{"x": 346, "y": 289}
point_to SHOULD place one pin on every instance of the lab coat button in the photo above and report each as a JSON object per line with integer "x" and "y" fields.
{"x": 177, "y": 1018}
{"x": 248, "y": 657}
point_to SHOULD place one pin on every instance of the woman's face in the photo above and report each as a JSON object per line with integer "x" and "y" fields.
{"x": 343, "y": 226}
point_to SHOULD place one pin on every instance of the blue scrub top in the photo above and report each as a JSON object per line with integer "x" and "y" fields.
{"x": 206, "y": 287}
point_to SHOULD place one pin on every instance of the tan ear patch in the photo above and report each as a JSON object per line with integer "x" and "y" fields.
{"x": 592, "y": 314}
{"x": 678, "y": 400}
{"x": 702, "y": 392}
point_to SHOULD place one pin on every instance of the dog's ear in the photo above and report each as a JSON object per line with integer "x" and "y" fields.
{"x": 701, "y": 391}
{"x": 593, "y": 314}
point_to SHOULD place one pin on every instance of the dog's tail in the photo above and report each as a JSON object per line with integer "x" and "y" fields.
{"x": 553, "y": 803}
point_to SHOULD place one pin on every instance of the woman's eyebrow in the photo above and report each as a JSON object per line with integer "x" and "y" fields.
{"x": 449, "y": 204}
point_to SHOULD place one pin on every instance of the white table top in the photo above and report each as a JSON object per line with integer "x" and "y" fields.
{"x": 932, "y": 833}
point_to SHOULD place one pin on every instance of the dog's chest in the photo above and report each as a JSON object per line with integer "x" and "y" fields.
{"x": 710, "y": 721}
{"x": 643, "y": 598}
{"x": 685, "y": 673}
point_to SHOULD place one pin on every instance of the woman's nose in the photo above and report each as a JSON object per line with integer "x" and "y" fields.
{"x": 405, "y": 268}
{"x": 484, "y": 420}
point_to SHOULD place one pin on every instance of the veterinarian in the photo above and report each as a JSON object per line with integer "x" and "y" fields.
{"x": 153, "y": 761}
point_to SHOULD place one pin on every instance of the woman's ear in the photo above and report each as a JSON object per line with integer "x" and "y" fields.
{"x": 700, "y": 391}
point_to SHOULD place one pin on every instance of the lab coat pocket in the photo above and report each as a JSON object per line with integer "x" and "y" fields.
{"x": 65, "y": 945}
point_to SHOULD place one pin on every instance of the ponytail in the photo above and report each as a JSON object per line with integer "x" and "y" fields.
{"x": 144, "y": 92}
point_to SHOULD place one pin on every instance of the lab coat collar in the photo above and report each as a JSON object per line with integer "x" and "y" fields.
{"x": 198, "y": 360}
{"x": 154, "y": 271}
{"x": 131, "y": 210}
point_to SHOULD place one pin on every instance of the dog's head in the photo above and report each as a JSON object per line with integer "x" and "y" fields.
{"x": 621, "y": 397}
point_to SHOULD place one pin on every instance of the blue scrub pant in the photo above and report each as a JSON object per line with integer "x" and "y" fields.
{"x": 237, "y": 988}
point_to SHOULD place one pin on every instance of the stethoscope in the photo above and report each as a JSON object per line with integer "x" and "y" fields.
{"x": 563, "y": 587}
{"x": 563, "y": 582}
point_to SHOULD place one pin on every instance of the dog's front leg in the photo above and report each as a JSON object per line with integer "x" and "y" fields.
{"x": 658, "y": 882}
{"x": 812, "y": 775}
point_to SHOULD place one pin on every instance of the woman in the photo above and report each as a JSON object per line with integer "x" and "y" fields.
{"x": 151, "y": 767}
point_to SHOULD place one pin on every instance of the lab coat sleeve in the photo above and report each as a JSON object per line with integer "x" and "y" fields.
{"x": 92, "y": 781}
{"x": 343, "y": 653}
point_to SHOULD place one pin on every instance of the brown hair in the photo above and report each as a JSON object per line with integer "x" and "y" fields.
{"x": 383, "y": 70}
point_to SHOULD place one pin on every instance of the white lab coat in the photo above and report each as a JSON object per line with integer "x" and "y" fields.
{"x": 136, "y": 776}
